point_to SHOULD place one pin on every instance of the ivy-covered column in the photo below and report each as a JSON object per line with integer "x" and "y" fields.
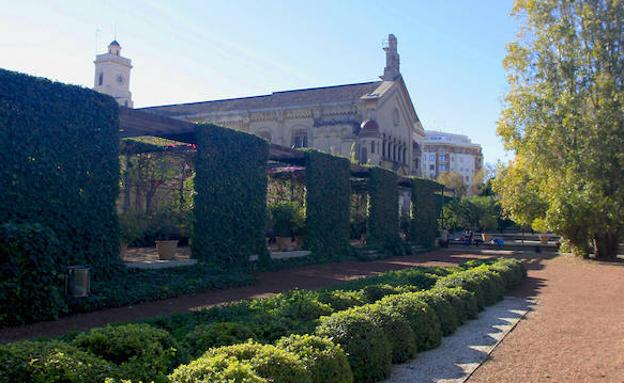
{"x": 424, "y": 218}
{"x": 328, "y": 203}
{"x": 383, "y": 209}
{"x": 230, "y": 204}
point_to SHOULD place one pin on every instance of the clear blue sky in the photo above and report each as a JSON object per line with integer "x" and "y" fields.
{"x": 183, "y": 51}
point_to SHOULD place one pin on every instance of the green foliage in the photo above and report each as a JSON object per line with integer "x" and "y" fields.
{"x": 424, "y": 216}
{"x": 477, "y": 212}
{"x": 287, "y": 218}
{"x": 396, "y": 328}
{"x": 301, "y": 305}
{"x": 328, "y": 200}
{"x": 370, "y": 353}
{"x": 30, "y": 288}
{"x": 563, "y": 119}
{"x": 269, "y": 362}
{"x": 230, "y": 205}
{"x": 383, "y": 209}
{"x": 443, "y": 302}
{"x": 487, "y": 285}
{"x": 454, "y": 181}
{"x": 325, "y": 361}
{"x": 342, "y": 299}
{"x": 141, "y": 351}
{"x": 58, "y": 149}
{"x": 206, "y": 336}
{"x": 216, "y": 369}
{"x": 50, "y": 362}
{"x": 131, "y": 286}
{"x": 421, "y": 317}
{"x": 373, "y": 293}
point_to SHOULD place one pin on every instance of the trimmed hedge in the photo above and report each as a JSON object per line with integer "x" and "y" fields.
{"x": 59, "y": 149}
{"x": 423, "y": 225}
{"x": 142, "y": 352}
{"x": 326, "y": 361}
{"x": 30, "y": 287}
{"x": 383, "y": 209}
{"x": 369, "y": 351}
{"x": 373, "y": 335}
{"x": 230, "y": 204}
{"x": 328, "y": 204}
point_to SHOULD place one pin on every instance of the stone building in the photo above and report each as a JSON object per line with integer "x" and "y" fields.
{"x": 447, "y": 152}
{"x": 112, "y": 75}
{"x": 374, "y": 121}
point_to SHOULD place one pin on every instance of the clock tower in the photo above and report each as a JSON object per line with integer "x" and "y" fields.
{"x": 112, "y": 75}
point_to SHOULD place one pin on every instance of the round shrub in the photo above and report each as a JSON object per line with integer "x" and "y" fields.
{"x": 487, "y": 285}
{"x": 142, "y": 352}
{"x": 342, "y": 299}
{"x": 326, "y": 361}
{"x": 30, "y": 287}
{"x": 396, "y": 329}
{"x": 45, "y": 362}
{"x": 206, "y": 336}
{"x": 215, "y": 369}
{"x": 441, "y": 301}
{"x": 464, "y": 301}
{"x": 511, "y": 270}
{"x": 269, "y": 362}
{"x": 421, "y": 317}
{"x": 368, "y": 349}
{"x": 373, "y": 293}
{"x": 301, "y": 305}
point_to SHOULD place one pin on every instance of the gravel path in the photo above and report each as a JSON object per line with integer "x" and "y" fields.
{"x": 575, "y": 333}
{"x": 461, "y": 353}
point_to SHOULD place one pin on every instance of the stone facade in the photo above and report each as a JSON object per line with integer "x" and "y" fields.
{"x": 375, "y": 122}
{"x": 112, "y": 75}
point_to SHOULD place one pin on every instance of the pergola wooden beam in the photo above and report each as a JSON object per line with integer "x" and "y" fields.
{"x": 135, "y": 123}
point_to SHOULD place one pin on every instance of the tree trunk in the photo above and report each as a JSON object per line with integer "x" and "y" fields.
{"x": 606, "y": 246}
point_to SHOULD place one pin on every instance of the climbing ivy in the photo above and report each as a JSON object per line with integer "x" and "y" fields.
{"x": 230, "y": 201}
{"x": 59, "y": 150}
{"x": 383, "y": 209}
{"x": 328, "y": 200}
{"x": 425, "y": 210}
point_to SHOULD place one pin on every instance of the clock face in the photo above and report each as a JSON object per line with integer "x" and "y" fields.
{"x": 120, "y": 79}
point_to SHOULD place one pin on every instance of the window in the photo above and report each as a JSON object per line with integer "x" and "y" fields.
{"x": 101, "y": 79}
{"x": 300, "y": 140}
{"x": 363, "y": 156}
{"x": 432, "y": 157}
{"x": 372, "y": 147}
{"x": 383, "y": 148}
{"x": 467, "y": 179}
{"x": 442, "y": 157}
{"x": 442, "y": 168}
{"x": 431, "y": 167}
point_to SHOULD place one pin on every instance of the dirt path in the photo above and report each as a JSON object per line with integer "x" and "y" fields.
{"x": 574, "y": 334}
{"x": 310, "y": 277}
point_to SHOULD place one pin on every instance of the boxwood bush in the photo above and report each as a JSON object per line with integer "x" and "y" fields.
{"x": 141, "y": 351}
{"x": 326, "y": 361}
{"x": 342, "y": 299}
{"x": 441, "y": 300}
{"x": 206, "y": 336}
{"x": 269, "y": 362}
{"x": 216, "y": 369}
{"x": 487, "y": 285}
{"x": 50, "y": 362}
{"x": 370, "y": 353}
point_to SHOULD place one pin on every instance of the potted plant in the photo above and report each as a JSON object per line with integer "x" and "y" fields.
{"x": 167, "y": 239}
{"x": 287, "y": 219}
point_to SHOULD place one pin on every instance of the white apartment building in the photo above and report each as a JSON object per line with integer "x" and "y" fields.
{"x": 448, "y": 152}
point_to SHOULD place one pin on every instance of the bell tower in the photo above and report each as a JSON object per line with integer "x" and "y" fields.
{"x": 391, "y": 71}
{"x": 112, "y": 75}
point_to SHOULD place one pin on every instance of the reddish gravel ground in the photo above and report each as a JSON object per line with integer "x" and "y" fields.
{"x": 575, "y": 332}
{"x": 310, "y": 277}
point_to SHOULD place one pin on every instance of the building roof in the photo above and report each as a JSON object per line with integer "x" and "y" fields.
{"x": 369, "y": 128}
{"x": 114, "y": 42}
{"x": 291, "y": 98}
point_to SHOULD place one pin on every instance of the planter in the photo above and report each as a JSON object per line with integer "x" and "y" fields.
{"x": 166, "y": 249}
{"x": 486, "y": 237}
{"x": 543, "y": 238}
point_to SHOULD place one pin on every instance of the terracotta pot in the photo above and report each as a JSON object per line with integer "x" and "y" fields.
{"x": 486, "y": 237}
{"x": 166, "y": 249}
{"x": 543, "y": 239}
{"x": 282, "y": 243}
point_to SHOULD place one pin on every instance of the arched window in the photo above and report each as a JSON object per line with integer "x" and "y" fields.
{"x": 372, "y": 147}
{"x": 363, "y": 156}
{"x": 101, "y": 78}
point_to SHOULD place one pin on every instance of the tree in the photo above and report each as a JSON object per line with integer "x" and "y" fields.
{"x": 478, "y": 212}
{"x": 564, "y": 119}
{"x": 455, "y": 181}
